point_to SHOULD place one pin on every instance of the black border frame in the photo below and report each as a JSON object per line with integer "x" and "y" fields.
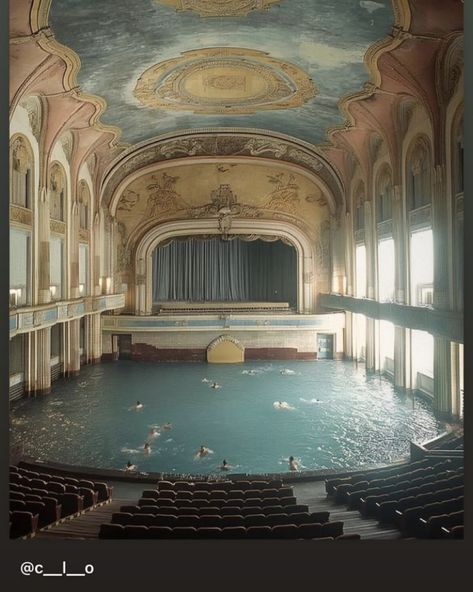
{"x": 405, "y": 564}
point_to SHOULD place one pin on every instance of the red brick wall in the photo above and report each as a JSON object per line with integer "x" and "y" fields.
{"x": 149, "y": 353}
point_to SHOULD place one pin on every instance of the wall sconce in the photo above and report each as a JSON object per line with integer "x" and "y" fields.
{"x": 81, "y": 289}
{"x": 53, "y": 290}
{"x": 108, "y": 285}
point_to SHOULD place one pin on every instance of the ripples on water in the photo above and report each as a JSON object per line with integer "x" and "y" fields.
{"x": 90, "y": 420}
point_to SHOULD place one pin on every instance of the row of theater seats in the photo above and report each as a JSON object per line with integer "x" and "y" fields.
{"x": 420, "y": 501}
{"x": 331, "y": 530}
{"x": 220, "y": 520}
{"x": 38, "y": 499}
{"x": 282, "y": 492}
{"x": 209, "y": 509}
{"x": 227, "y": 485}
{"x": 384, "y": 473}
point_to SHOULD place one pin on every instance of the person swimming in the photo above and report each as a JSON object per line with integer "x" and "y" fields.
{"x": 215, "y": 385}
{"x": 130, "y": 466}
{"x": 139, "y": 405}
{"x": 282, "y": 405}
{"x": 147, "y": 448}
{"x": 293, "y": 464}
{"x": 286, "y": 371}
{"x": 167, "y": 426}
{"x": 203, "y": 451}
{"x": 225, "y": 466}
{"x": 154, "y": 432}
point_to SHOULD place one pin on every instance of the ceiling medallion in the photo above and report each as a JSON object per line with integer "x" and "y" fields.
{"x": 219, "y": 7}
{"x": 224, "y": 80}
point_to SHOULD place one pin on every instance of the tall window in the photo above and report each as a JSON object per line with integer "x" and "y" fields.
{"x": 359, "y": 328}
{"x": 386, "y": 270}
{"x": 84, "y": 205}
{"x": 422, "y": 267}
{"x": 360, "y": 257}
{"x": 56, "y": 267}
{"x": 384, "y": 192}
{"x": 422, "y": 346}
{"x": 418, "y": 176}
{"x": 20, "y": 267}
{"x": 57, "y": 193}
{"x": 386, "y": 345}
{"x": 83, "y": 269}
{"x": 21, "y": 180}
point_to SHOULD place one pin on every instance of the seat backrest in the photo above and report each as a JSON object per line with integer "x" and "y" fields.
{"x": 111, "y": 531}
{"x": 122, "y": 518}
{"x": 256, "y": 520}
{"x": 164, "y": 520}
{"x": 286, "y": 531}
{"x": 332, "y": 529}
{"x": 133, "y": 531}
{"x": 234, "y": 532}
{"x": 310, "y": 531}
{"x": 258, "y": 532}
{"x": 160, "y": 532}
{"x": 209, "y": 532}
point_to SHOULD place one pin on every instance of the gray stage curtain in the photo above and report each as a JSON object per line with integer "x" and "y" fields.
{"x": 199, "y": 270}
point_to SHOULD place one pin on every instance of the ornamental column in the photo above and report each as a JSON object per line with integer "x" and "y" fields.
{"x": 442, "y": 376}
{"x": 440, "y": 224}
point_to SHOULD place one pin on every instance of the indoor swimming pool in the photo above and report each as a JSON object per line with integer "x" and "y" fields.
{"x": 333, "y": 416}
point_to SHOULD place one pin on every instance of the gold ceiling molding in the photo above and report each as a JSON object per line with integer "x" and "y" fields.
{"x": 224, "y": 80}
{"x": 212, "y": 8}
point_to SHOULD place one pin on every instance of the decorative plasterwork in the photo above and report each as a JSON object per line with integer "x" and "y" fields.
{"x": 21, "y": 215}
{"x": 57, "y": 226}
{"x": 209, "y": 8}
{"x": 223, "y": 142}
{"x": 224, "y": 80}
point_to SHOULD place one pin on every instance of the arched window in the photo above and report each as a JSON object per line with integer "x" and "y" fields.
{"x": 384, "y": 191}
{"x": 419, "y": 187}
{"x": 84, "y": 201}
{"x": 21, "y": 179}
{"x": 57, "y": 195}
{"x": 358, "y": 207}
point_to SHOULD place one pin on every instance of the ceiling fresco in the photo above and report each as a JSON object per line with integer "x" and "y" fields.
{"x": 169, "y": 65}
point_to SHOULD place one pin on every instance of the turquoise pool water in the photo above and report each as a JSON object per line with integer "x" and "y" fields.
{"x": 91, "y": 419}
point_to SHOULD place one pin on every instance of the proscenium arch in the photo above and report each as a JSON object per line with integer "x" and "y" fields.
{"x": 143, "y": 271}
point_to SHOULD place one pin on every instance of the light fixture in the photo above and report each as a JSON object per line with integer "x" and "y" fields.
{"x": 108, "y": 285}
{"x": 81, "y": 289}
{"x": 53, "y": 290}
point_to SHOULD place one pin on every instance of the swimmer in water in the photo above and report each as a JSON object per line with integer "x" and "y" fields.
{"x": 130, "y": 466}
{"x": 139, "y": 405}
{"x": 215, "y": 385}
{"x": 154, "y": 432}
{"x": 282, "y": 405}
{"x": 203, "y": 451}
{"x": 147, "y": 448}
{"x": 166, "y": 426}
{"x": 293, "y": 464}
{"x": 205, "y": 380}
{"x": 225, "y": 466}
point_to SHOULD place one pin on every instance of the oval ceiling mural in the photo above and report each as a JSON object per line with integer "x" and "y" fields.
{"x": 224, "y": 80}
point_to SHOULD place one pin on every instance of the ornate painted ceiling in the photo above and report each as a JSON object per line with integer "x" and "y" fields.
{"x": 169, "y": 65}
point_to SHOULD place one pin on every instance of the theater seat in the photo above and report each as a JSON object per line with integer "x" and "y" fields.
{"x": 23, "y": 523}
{"x": 234, "y": 532}
{"x": 111, "y": 531}
{"x": 258, "y": 532}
